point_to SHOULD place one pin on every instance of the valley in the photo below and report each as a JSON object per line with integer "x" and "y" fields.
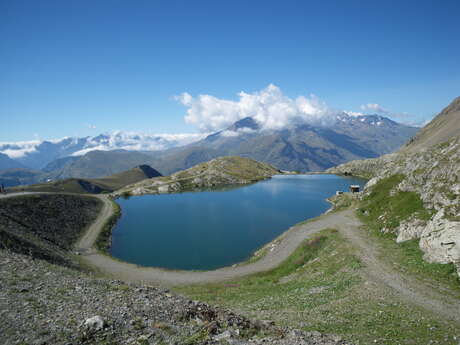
{"x": 380, "y": 267}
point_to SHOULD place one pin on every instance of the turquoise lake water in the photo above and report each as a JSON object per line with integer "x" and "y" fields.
{"x": 211, "y": 229}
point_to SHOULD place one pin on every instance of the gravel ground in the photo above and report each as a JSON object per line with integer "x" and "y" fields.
{"x": 41, "y": 303}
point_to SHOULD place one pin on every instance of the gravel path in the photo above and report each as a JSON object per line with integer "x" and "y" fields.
{"x": 289, "y": 242}
{"x": 408, "y": 289}
{"x": 85, "y": 244}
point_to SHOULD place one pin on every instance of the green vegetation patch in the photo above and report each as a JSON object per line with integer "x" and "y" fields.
{"x": 385, "y": 208}
{"x": 388, "y": 207}
{"x": 320, "y": 287}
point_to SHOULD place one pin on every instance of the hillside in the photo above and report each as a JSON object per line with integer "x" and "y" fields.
{"x": 301, "y": 147}
{"x": 94, "y": 186}
{"x": 46, "y": 226}
{"x": 18, "y": 176}
{"x": 8, "y": 163}
{"x": 96, "y": 164}
{"x": 221, "y": 171}
{"x": 443, "y": 127}
{"x": 428, "y": 167}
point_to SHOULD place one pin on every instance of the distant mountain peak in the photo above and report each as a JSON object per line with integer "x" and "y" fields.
{"x": 247, "y": 122}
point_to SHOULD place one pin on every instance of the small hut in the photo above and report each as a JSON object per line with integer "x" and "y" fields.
{"x": 354, "y": 188}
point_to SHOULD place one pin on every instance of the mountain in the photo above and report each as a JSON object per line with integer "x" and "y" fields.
{"x": 18, "y": 176}
{"x": 8, "y": 163}
{"x": 38, "y": 154}
{"x": 95, "y": 164}
{"x": 415, "y": 192}
{"x": 94, "y": 186}
{"x": 443, "y": 127}
{"x": 301, "y": 147}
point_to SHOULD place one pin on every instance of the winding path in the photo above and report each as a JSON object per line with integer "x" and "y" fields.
{"x": 405, "y": 287}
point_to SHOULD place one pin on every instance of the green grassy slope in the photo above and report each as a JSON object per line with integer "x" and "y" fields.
{"x": 320, "y": 287}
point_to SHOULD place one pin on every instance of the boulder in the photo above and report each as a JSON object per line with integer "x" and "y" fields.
{"x": 95, "y": 323}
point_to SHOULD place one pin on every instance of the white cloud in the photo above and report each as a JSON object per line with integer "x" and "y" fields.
{"x": 229, "y": 133}
{"x": 374, "y": 107}
{"x": 112, "y": 141}
{"x": 353, "y": 113}
{"x": 134, "y": 141}
{"x": 90, "y": 126}
{"x": 19, "y": 148}
{"x": 269, "y": 107}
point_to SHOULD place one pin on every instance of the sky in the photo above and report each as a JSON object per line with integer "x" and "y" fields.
{"x": 78, "y": 68}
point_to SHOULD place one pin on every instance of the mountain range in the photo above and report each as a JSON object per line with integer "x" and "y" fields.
{"x": 38, "y": 154}
{"x": 301, "y": 147}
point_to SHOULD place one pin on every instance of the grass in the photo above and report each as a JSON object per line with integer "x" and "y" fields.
{"x": 394, "y": 206}
{"x": 321, "y": 287}
{"x": 385, "y": 208}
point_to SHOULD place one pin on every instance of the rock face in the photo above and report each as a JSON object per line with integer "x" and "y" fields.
{"x": 222, "y": 171}
{"x": 434, "y": 174}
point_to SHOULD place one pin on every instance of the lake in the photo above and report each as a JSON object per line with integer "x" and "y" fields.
{"x": 211, "y": 229}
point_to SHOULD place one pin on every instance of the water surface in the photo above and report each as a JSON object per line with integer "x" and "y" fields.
{"x": 211, "y": 229}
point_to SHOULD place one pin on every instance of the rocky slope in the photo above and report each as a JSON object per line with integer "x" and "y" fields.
{"x": 46, "y": 226}
{"x": 47, "y": 304}
{"x": 443, "y": 127}
{"x": 433, "y": 172}
{"x": 221, "y": 171}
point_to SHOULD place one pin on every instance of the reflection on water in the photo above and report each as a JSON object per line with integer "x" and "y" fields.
{"x": 211, "y": 229}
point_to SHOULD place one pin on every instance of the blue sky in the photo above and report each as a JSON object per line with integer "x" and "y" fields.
{"x": 85, "y": 67}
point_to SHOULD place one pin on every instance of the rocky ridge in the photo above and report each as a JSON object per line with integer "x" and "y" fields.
{"x": 434, "y": 174}
{"x": 222, "y": 171}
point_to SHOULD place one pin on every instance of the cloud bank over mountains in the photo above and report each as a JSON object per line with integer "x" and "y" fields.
{"x": 269, "y": 107}
{"x": 117, "y": 140}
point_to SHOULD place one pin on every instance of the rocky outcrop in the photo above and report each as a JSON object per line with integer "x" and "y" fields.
{"x": 434, "y": 174}
{"x": 222, "y": 171}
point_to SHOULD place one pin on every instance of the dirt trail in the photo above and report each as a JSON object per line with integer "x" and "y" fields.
{"x": 86, "y": 242}
{"x": 406, "y": 288}
{"x": 403, "y": 286}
